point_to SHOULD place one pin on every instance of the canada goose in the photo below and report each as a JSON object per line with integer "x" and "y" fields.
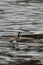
{"x": 23, "y": 1}
{"x": 15, "y": 39}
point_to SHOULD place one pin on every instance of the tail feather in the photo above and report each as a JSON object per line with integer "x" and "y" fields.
{"x": 11, "y": 41}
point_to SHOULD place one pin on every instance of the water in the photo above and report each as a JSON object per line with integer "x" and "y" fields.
{"x": 24, "y": 18}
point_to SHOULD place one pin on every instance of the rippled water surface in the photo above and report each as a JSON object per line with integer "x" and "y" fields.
{"x": 23, "y": 17}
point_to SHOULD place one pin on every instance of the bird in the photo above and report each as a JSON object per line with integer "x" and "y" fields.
{"x": 23, "y": 1}
{"x": 15, "y": 40}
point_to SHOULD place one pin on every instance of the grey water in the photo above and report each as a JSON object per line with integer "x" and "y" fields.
{"x": 23, "y": 17}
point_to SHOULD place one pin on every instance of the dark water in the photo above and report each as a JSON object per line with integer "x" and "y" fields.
{"x": 24, "y": 18}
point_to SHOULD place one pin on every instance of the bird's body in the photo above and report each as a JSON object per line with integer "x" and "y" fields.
{"x": 15, "y": 39}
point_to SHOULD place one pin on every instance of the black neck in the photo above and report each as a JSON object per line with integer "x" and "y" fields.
{"x": 19, "y": 34}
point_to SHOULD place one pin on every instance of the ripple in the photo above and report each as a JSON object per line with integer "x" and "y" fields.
{"x": 28, "y": 19}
